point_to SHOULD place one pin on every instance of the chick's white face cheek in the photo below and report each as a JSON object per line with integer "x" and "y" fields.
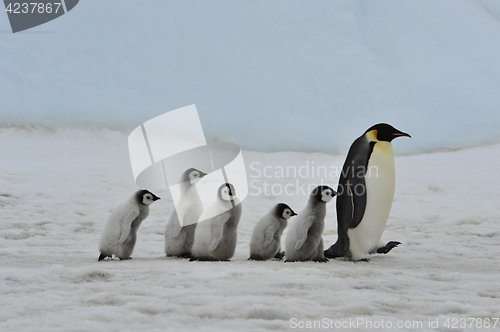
{"x": 147, "y": 199}
{"x": 194, "y": 177}
{"x": 326, "y": 196}
{"x": 225, "y": 194}
{"x": 286, "y": 214}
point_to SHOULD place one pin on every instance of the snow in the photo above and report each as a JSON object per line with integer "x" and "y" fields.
{"x": 276, "y": 78}
{"x": 57, "y": 189}
{"x": 300, "y": 75}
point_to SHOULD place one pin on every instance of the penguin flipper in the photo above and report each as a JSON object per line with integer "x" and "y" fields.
{"x": 269, "y": 235}
{"x": 190, "y": 217}
{"x": 302, "y": 231}
{"x": 357, "y": 200}
{"x": 102, "y": 256}
{"x": 218, "y": 230}
{"x": 126, "y": 223}
{"x": 351, "y": 201}
{"x": 177, "y": 227}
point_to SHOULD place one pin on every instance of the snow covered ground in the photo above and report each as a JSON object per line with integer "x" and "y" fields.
{"x": 301, "y": 77}
{"x": 58, "y": 187}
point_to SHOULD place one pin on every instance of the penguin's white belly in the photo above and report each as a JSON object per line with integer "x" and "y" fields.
{"x": 380, "y": 185}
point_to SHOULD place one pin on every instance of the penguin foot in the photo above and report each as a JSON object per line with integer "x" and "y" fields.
{"x": 125, "y": 259}
{"x": 323, "y": 260}
{"x": 388, "y": 247}
{"x": 363, "y": 260}
{"x": 204, "y": 259}
{"x": 279, "y": 255}
{"x": 101, "y": 257}
{"x": 339, "y": 249}
{"x": 328, "y": 254}
{"x": 254, "y": 257}
{"x": 289, "y": 261}
{"x": 185, "y": 255}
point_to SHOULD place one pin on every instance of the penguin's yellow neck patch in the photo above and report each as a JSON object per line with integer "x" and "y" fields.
{"x": 372, "y": 136}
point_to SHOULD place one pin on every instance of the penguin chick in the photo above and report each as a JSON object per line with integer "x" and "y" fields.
{"x": 265, "y": 242}
{"x": 215, "y": 238}
{"x": 304, "y": 241}
{"x": 366, "y": 191}
{"x": 120, "y": 231}
{"x": 179, "y": 238}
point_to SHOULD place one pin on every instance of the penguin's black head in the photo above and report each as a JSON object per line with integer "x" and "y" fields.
{"x": 192, "y": 175}
{"x": 226, "y": 192}
{"x": 323, "y": 194}
{"x": 145, "y": 197}
{"x": 284, "y": 211}
{"x": 385, "y": 132}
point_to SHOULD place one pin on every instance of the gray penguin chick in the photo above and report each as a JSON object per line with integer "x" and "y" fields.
{"x": 120, "y": 231}
{"x": 265, "y": 242}
{"x": 215, "y": 238}
{"x": 179, "y": 238}
{"x": 304, "y": 240}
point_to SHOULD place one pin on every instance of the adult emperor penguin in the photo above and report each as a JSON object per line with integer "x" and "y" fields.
{"x": 179, "y": 239}
{"x": 120, "y": 231}
{"x": 366, "y": 191}
{"x": 215, "y": 238}
{"x": 265, "y": 242}
{"x": 304, "y": 240}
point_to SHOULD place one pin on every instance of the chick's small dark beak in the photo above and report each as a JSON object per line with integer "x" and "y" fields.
{"x": 156, "y": 198}
{"x": 334, "y": 193}
{"x": 294, "y": 214}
